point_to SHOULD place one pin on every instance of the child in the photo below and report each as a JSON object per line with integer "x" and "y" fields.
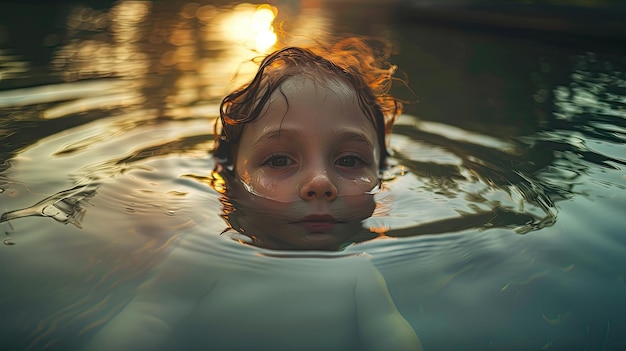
{"x": 298, "y": 156}
{"x": 302, "y": 144}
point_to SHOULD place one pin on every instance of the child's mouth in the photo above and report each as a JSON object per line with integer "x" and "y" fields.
{"x": 318, "y": 223}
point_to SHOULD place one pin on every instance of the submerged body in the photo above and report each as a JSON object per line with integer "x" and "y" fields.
{"x": 271, "y": 301}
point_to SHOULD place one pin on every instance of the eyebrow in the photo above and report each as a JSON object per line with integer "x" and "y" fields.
{"x": 355, "y": 136}
{"x": 276, "y": 134}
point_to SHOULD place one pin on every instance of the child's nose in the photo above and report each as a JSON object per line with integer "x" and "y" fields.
{"x": 319, "y": 186}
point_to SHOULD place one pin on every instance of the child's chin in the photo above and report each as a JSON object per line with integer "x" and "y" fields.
{"x": 303, "y": 240}
{"x": 320, "y": 239}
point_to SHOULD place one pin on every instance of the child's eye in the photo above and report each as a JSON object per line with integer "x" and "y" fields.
{"x": 278, "y": 161}
{"x": 350, "y": 161}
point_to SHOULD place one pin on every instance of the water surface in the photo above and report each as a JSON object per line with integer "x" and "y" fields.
{"x": 501, "y": 225}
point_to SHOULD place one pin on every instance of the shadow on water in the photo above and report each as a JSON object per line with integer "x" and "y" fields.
{"x": 111, "y": 101}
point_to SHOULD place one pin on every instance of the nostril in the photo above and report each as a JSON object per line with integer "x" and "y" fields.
{"x": 318, "y": 187}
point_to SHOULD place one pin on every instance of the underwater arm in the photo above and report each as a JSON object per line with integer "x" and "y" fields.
{"x": 145, "y": 323}
{"x": 381, "y": 326}
{"x": 149, "y": 320}
{"x": 141, "y": 325}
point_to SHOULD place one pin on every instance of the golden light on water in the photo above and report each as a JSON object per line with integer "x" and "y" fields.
{"x": 380, "y": 230}
{"x": 253, "y": 26}
{"x": 265, "y": 40}
{"x": 117, "y": 53}
{"x": 217, "y": 182}
{"x": 194, "y": 53}
{"x": 262, "y": 18}
{"x": 242, "y": 33}
{"x": 262, "y": 21}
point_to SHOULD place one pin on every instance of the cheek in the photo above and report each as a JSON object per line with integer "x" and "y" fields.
{"x": 267, "y": 186}
{"x": 354, "y": 209}
{"x": 244, "y": 176}
{"x": 256, "y": 178}
{"x": 241, "y": 168}
{"x": 362, "y": 206}
{"x": 265, "y": 182}
{"x": 260, "y": 187}
{"x": 357, "y": 184}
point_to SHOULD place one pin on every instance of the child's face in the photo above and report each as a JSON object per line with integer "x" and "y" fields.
{"x": 311, "y": 160}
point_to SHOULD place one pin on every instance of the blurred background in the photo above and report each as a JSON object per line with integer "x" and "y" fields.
{"x": 444, "y": 46}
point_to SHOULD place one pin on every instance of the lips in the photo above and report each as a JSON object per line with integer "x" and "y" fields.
{"x": 318, "y": 223}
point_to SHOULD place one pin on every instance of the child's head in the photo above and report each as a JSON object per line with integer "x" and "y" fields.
{"x": 304, "y": 142}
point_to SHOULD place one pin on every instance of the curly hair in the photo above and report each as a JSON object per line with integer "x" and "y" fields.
{"x": 353, "y": 61}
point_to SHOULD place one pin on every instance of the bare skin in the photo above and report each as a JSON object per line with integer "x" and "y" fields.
{"x": 200, "y": 299}
{"x": 311, "y": 157}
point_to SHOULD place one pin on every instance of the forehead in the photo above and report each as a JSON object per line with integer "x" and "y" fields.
{"x": 313, "y": 97}
{"x": 305, "y": 89}
{"x": 320, "y": 110}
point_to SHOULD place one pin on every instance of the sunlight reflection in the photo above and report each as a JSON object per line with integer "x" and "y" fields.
{"x": 194, "y": 55}
{"x": 125, "y": 99}
{"x": 97, "y": 56}
{"x": 252, "y": 26}
{"x": 112, "y": 52}
{"x": 229, "y": 35}
{"x": 11, "y": 65}
{"x": 183, "y": 58}
{"x": 59, "y": 92}
{"x": 127, "y": 17}
{"x": 262, "y": 20}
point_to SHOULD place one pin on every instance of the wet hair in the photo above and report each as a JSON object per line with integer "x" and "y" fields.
{"x": 353, "y": 61}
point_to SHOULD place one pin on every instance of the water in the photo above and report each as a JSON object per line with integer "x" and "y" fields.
{"x": 503, "y": 221}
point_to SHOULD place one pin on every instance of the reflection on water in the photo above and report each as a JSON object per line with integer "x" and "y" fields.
{"x": 65, "y": 207}
{"x": 112, "y": 49}
{"x": 11, "y": 65}
{"x": 587, "y": 132}
{"x": 112, "y": 134}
